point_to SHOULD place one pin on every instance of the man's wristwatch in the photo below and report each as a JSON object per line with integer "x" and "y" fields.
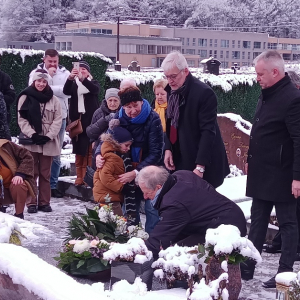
{"x": 200, "y": 169}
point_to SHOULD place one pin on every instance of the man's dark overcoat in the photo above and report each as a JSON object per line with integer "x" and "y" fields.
{"x": 274, "y": 150}
{"x": 187, "y": 206}
{"x": 199, "y": 138}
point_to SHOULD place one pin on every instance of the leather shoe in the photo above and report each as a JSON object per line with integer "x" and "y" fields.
{"x": 45, "y": 208}
{"x": 55, "y": 193}
{"x": 32, "y": 209}
{"x": 270, "y": 284}
{"x": 272, "y": 249}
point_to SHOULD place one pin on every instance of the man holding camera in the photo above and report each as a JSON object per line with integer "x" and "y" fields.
{"x": 59, "y": 75}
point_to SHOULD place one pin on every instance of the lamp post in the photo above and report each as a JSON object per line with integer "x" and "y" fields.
{"x": 117, "y": 64}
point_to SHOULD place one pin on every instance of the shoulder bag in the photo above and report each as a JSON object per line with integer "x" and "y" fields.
{"x": 75, "y": 128}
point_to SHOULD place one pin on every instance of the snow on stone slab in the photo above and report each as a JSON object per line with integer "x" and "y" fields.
{"x": 30, "y": 230}
{"x": 285, "y": 278}
{"x": 42, "y": 279}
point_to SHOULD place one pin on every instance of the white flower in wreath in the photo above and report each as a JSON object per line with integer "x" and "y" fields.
{"x": 142, "y": 234}
{"x": 82, "y": 246}
{"x": 103, "y": 215}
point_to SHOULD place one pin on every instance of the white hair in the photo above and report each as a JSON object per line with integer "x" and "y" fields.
{"x": 127, "y": 82}
{"x": 272, "y": 59}
{"x": 174, "y": 59}
{"x": 152, "y": 176}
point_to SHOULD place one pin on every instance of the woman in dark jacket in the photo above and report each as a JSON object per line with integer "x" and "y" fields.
{"x": 84, "y": 92}
{"x": 144, "y": 124}
{"x": 109, "y": 106}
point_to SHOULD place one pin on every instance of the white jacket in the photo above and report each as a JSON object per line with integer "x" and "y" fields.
{"x": 57, "y": 84}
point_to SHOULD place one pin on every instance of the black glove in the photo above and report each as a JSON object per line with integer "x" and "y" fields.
{"x": 37, "y": 139}
{"x": 46, "y": 139}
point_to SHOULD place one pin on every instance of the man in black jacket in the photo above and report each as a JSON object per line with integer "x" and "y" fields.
{"x": 187, "y": 207}
{"x": 193, "y": 140}
{"x": 274, "y": 160}
{"x": 8, "y": 91}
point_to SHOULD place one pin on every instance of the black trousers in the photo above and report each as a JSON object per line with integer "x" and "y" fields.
{"x": 286, "y": 215}
{"x": 277, "y": 238}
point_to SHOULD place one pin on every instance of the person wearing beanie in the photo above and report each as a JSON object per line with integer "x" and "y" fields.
{"x": 137, "y": 116}
{"x": 58, "y": 75}
{"x": 40, "y": 118}
{"x": 84, "y": 92}
{"x": 107, "y": 188}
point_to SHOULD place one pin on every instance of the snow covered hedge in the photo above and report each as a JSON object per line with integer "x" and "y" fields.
{"x": 19, "y": 63}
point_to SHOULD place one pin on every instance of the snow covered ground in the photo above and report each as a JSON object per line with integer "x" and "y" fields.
{"x": 46, "y": 231}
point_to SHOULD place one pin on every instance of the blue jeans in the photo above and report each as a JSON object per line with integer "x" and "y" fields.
{"x": 55, "y": 167}
{"x": 152, "y": 216}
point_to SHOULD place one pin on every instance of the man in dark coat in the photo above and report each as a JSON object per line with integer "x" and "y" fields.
{"x": 8, "y": 91}
{"x": 274, "y": 160}
{"x": 193, "y": 139}
{"x": 187, "y": 207}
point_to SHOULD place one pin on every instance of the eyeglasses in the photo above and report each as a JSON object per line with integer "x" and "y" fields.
{"x": 173, "y": 76}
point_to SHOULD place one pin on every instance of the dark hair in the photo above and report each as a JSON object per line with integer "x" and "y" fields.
{"x": 51, "y": 52}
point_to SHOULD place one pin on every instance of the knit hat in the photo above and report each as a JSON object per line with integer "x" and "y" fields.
{"x": 112, "y": 93}
{"x": 39, "y": 75}
{"x": 84, "y": 64}
{"x": 120, "y": 134}
{"x": 131, "y": 96}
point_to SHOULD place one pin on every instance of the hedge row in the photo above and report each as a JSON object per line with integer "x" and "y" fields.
{"x": 18, "y": 67}
{"x": 241, "y": 99}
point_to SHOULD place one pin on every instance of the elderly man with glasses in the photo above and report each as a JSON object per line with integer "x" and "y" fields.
{"x": 193, "y": 140}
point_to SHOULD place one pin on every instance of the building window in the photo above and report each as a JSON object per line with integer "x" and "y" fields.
{"x": 182, "y": 41}
{"x": 98, "y": 31}
{"x": 249, "y": 55}
{"x": 247, "y": 44}
{"x": 224, "y": 43}
{"x": 210, "y": 53}
{"x": 57, "y": 46}
{"x": 255, "y": 54}
{"x": 227, "y": 54}
{"x": 187, "y": 41}
{"x": 216, "y": 42}
{"x": 243, "y": 55}
{"x": 245, "y": 64}
{"x": 176, "y": 48}
{"x": 221, "y": 54}
{"x": 194, "y": 41}
{"x": 190, "y": 62}
{"x": 190, "y": 51}
{"x": 257, "y": 45}
{"x": 202, "y": 53}
{"x": 233, "y": 44}
{"x": 272, "y": 46}
{"x": 210, "y": 42}
{"x": 151, "y": 49}
{"x": 63, "y": 46}
{"x": 69, "y": 45}
{"x": 224, "y": 64}
{"x": 202, "y": 42}
{"x": 264, "y": 45}
{"x": 141, "y": 49}
{"x": 235, "y": 54}
{"x": 26, "y": 47}
{"x": 215, "y": 53}
{"x": 11, "y": 46}
{"x": 239, "y": 44}
{"x": 286, "y": 56}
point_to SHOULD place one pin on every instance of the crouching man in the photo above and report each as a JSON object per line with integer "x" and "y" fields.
{"x": 16, "y": 170}
{"x": 187, "y": 207}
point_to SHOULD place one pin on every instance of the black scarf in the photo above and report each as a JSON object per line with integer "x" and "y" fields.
{"x": 30, "y": 110}
{"x": 171, "y": 181}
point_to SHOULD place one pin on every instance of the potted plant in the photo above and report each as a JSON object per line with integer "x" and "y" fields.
{"x": 129, "y": 261}
{"x": 85, "y": 258}
{"x": 224, "y": 250}
{"x": 178, "y": 266}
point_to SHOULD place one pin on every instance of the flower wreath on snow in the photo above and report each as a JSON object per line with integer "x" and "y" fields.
{"x": 90, "y": 235}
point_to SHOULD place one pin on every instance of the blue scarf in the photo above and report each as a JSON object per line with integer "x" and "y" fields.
{"x": 138, "y": 120}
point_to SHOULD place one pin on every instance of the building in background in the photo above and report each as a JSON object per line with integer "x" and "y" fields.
{"x": 26, "y": 45}
{"x": 287, "y": 47}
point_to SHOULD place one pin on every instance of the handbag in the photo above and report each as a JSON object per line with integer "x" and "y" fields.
{"x": 89, "y": 176}
{"x": 74, "y": 128}
{"x": 25, "y": 140}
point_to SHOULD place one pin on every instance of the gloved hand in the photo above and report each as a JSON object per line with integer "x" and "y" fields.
{"x": 46, "y": 139}
{"x": 109, "y": 117}
{"x": 37, "y": 139}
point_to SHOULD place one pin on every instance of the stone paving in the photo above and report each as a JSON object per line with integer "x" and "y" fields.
{"x": 48, "y": 245}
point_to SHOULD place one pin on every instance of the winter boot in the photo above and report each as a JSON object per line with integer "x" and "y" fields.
{"x": 78, "y": 163}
